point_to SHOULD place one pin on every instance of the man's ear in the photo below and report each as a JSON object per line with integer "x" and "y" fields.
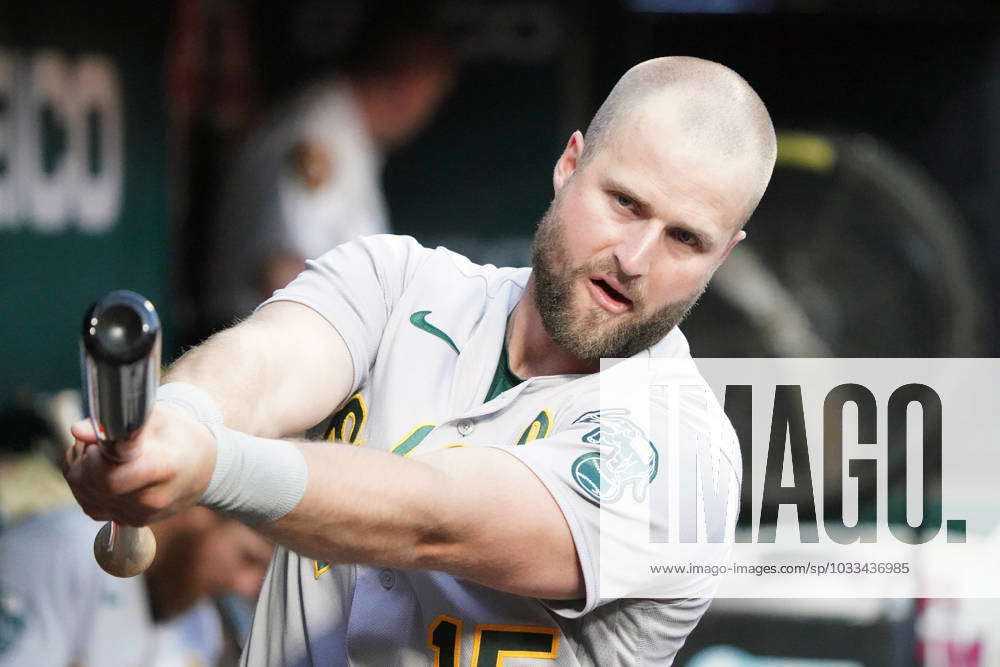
{"x": 737, "y": 237}
{"x": 568, "y": 161}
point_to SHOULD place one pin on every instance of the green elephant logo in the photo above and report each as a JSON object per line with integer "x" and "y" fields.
{"x": 626, "y": 457}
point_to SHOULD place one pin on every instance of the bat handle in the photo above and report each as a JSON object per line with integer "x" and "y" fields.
{"x": 120, "y": 339}
{"x": 124, "y": 551}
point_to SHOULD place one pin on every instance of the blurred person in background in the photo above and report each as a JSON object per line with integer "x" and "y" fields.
{"x": 57, "y": 607}
{"x": 310, "y": 178}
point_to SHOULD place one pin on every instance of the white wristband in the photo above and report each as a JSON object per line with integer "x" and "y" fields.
{"x": 256, "y": 480}
{"x": 191, "y": 399}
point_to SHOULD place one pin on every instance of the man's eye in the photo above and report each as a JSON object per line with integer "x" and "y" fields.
{"x": 624, "y": 201}
{"x": 685, "y": 237}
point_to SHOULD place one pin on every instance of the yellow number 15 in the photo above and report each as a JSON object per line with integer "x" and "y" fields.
{"x": 492, "y": 644}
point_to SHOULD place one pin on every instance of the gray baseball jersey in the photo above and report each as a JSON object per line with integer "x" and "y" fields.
{"x": 57, "y": 607}
{"x": 425, "y": 329}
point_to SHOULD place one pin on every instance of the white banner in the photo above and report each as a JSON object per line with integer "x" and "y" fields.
{"x": 857, "y": 478}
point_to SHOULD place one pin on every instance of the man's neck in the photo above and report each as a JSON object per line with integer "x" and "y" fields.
{"x": 531, "y": 351}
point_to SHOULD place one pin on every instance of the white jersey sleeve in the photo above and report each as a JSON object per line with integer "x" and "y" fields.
{"x": 355, "y": 287}
{"x": 611, "y": 479}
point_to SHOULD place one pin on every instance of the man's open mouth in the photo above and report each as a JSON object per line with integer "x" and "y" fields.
{"x": 612, "y": 300}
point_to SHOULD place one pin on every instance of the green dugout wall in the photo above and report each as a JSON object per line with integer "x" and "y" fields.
{"x": 83, "y": 192}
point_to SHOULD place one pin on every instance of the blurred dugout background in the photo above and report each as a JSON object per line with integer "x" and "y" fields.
{"x": 877, "y": 238}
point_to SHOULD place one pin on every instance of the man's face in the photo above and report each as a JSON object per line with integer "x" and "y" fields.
{"x": 234, "y": 559}
{"x": 632, "y": 239}
{"x": 205, "y": 555}
{"x": 583, "y": 324}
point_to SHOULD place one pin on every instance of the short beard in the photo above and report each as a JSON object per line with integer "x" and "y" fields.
{"x": 583, "y": 336}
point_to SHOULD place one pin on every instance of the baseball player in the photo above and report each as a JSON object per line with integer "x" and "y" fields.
{"x": 459, "y": 523}
{"x": 57, "y": 607}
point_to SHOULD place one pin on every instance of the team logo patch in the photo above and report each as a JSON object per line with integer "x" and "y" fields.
{"x": 13, "y": 615}
{"x": 626, "y": 457}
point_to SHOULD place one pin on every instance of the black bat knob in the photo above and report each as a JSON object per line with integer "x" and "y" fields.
{"x": 120, "y": 356}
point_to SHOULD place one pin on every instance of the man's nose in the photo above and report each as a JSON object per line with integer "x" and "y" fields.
{"x": 637, "y": 247}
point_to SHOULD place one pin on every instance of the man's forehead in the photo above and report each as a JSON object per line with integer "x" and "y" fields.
{"x": 661, "y": 127}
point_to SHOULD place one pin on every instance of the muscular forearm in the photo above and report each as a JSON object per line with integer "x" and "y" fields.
{"x": 450, "y": 511}
{"x": 278, "y": 373}
{"x": 366, "y": 506}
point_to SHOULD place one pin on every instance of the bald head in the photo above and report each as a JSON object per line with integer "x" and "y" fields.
{"x": 700, "y": 107}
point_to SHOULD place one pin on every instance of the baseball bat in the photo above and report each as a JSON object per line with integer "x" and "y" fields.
{"x": 120, "y": 360}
